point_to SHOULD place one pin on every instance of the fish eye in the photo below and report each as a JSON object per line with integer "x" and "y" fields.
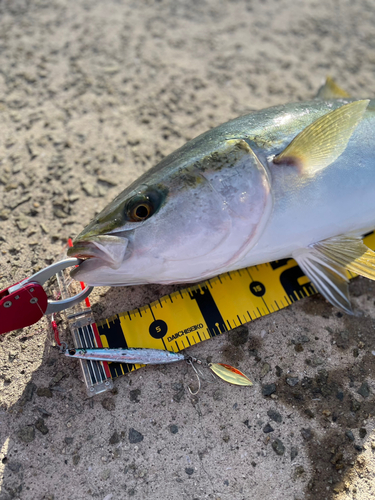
{"x": 143, "y": 205}
{"x": 139, "y": 210}
{"x": 142, "y": 211}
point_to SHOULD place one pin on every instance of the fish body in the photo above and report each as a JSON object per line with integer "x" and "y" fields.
{"x": 132, "y": 356}
{"x": 266, "y": 186}
{"x": 334, "y": 201}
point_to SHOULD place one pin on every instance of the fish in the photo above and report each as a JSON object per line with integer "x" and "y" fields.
{"x": 290, "y": 181}
{"x": 133, "y": 356}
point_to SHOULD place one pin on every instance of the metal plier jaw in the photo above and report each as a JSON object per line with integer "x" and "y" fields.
{"x": 26, "y": 302}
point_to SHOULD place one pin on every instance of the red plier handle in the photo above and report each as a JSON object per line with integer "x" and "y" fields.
{"x": 24, "y": 303}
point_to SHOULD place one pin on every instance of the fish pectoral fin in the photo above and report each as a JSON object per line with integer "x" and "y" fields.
{"x": 330, "y": 90}
{"x": 326, "y": 275}
{"x": 351, "y": 253}
{"x": 325, "y": 264}
{"x": 324, "y": 140}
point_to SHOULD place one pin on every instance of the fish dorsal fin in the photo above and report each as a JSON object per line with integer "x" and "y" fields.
{"x": 324, "y": 140}
{"x": 325, "y": 264}
{"x": 330, "y": 90}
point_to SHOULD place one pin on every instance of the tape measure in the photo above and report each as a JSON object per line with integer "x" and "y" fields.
{"x": 200, "y": 312}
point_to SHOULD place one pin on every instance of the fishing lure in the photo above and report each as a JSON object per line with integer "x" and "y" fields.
{"x": 155, "y": 357}
{"x": 133, "y": 356}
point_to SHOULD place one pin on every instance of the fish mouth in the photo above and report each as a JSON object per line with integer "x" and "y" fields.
{"x": 109, "y": 250}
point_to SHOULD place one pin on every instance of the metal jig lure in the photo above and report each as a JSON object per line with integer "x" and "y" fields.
{"x": 157, "y": 356}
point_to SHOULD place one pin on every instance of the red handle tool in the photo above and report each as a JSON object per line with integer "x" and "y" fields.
{"x": 26, "y": 302}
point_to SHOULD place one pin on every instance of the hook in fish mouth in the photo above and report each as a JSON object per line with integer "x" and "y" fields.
{"x": 109, "y": 249}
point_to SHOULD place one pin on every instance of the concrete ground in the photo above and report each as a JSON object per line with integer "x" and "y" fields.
{"x": 91, "y": 95}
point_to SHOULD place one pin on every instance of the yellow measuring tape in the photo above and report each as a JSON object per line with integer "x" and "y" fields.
{"x": 202, "y": 311}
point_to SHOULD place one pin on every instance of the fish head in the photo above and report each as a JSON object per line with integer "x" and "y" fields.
{"x": 186, "y": 219}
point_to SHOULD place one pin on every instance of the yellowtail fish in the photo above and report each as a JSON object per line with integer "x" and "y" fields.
{"x": 296, "y": 180}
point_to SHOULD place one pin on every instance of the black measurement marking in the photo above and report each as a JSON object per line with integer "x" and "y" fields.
{"x": 123, "y": 368}
{"x": 209, "y": 310}
{"x": 161, "y": 305}
{"x": 248, "y": 272}
{"x": 219, "y": 278}
{"x": 239, "y": 319}
{"x": 200, "y": 340}
{"x": 260, "y": 314}
{"x": 230, "y": 277}
{"x": 264, "y": 302}
{"x": 178, "y": 347}
{"x": 276, "y": 264}
{"x": 158, "y": 329}
{"x": 230, "y": 328}
{"x": 170, "y": 298}
{"x": 277, "y": 305}
{"x": 129, "y": 316}
{"x": 115, "y": 336}
{"x": 251, "y": 319}
{"x": 257, "y": 288}
{"x": 289, "y": 281}
{"x": 139, "y": 312}
{"x": 187, "y": 338}
{"x": 152, "y": 312}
